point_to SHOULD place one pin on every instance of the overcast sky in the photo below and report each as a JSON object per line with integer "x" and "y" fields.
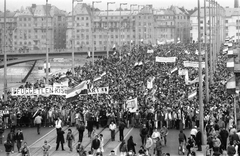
{"x": 66, "y": 4}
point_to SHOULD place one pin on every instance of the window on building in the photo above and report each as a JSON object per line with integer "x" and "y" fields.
{"x": 226, "y": 21}
{"x": 82, "y": 18}
{"x": 201, "y": 22}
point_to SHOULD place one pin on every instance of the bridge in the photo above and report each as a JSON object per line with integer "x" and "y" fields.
{"x": 18, "y": 58}
{"x": 53, "y": 53}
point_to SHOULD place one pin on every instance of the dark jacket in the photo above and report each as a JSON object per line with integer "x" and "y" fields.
{"x": 8, "y": 146}
{"x": 199, "y": 138}
{"x": 131, "y": 145}
{"x": 95, "y": 144}
{"x": 60, "y": 136}
{"x": 231, "y": 150}
{"x": 11, "y": 136}
{"x": 19, "y": 136}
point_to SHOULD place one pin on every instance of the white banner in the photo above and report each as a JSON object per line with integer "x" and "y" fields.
{"x": 182, "y": 71}
{"x": 101, "y": 90}
{"x": 166, "y": 59}
{"x": 149, "y": 51}
{"x": 39, "y": 91}
{"x": 192, "y": 64}
{"x": 132, "y": 105}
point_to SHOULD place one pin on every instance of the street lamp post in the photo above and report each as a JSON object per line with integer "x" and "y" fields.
{"x": 206, "y": 53}
{"x": 120, "y": 27}
{"x": 93, "y": 50}
{"x": 5, "y": 54}
{"x": 201, "y": 109}
{"x": 73, "y": 39}
{"x": 132, "y": 5}
{"x": 108, "y": 27}
{"x": 210, "y": 40}
{"x": 47, "y": 59}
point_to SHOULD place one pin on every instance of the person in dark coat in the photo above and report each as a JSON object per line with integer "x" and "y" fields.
{"x": 121, "y": 130}
{"x": 19, "y": 139}
{"x": 8, "y": 147}
{"x": 131, "y": 145}
{"x": 60, "y": 138}
{"x": 90, "y": 127}
{"x": 199, "y": 140}
{"x": 81, "y": 129}
{"x": 95, "y": 145}
{"x": 224, "y": 136}
{"x": 11, "y": 137}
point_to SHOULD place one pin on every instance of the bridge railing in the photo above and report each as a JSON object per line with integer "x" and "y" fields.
{"x": 44, "y": 51}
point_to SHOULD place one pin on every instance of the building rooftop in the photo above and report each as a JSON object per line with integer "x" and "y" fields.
{"x": 232, "y": 12}
{"x": 8, "y": 15}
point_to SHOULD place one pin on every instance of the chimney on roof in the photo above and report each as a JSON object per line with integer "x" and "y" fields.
{"x": 34, "y": 5}
{"x": 236, "y": 5}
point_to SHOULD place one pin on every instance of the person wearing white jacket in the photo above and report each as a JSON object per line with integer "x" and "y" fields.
{"x": 149, "y": 144}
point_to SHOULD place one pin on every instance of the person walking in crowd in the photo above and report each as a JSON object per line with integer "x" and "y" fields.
{"x": 190, "y": 145}
{"x": 101, "y": 149}
{"x": 143, "y": 134}
{"x": 60, "y": 138}
{"x": 158, "y": 148}
{"x": 46, "y": 147}
{"x": 38, "y": 122}
{"x": 112, "y": 128}
{"x": 199, "y": 140}
{"x": 95, "y": 145}
{"x": 164, "y": 133}
{"x": 19, "y": 139}
{"x": 80, "y": 149}
{"x": 25, "y": 150}
{"x": 121, "y": 128}
{"x": 150, "y": 143}
{"x": 8, "y": 147}
{"x": 70, "y": 139}
{"x": 58, "y": 124}
{"x": 131, "y": 145}
{"x": 123, "y": 148}
{"x": 11, "y": 137}
{"x": 81, "y": 129}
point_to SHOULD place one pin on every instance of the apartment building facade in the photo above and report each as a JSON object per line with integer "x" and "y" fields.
{"x": 11, "y": 25}
{"x": 124, "y": 27}
{"x": 220, "y": 26}
{"x": 26, "y": 28}
{"x": 232, "y": 23}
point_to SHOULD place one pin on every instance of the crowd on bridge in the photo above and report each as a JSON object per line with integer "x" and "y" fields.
{"x": 163, "y": 91}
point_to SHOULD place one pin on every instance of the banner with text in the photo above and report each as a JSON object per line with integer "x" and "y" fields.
{"x": 166, "y": 59}
{"x": 132, "y": 105}
{"x": 101, "y": 90}
{"x": 192, "y": 64}
{"x": 39, "y": 91}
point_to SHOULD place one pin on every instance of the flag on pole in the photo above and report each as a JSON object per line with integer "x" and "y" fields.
{"x": 76, "y": 90}
{"x": 174, "y": 70}
{"x": 192, "y": 95}
{"x": 231, "y": 85}
{"x": 99, "y": 77}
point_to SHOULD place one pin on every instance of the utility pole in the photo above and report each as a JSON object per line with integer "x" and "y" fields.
{"x": 206, "y": 54}
{"x": 108, "y": 28}
{"x": 93, "y": 47}
{"x": 5, "y": 53}
{"x": 210, "y": 41}
{"x": 200, "y": 74}
{"x": 119, "y": 30}
{"x": 47, "y": 60}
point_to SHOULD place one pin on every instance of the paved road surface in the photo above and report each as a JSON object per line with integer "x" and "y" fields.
{"x": 30, "y": 135}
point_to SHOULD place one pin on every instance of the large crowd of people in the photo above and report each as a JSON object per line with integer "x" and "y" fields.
{"x": 165, "y": 104}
